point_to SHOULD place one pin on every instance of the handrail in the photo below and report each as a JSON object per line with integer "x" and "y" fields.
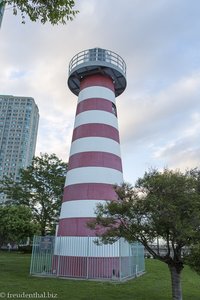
{"x": 97, "y": 55}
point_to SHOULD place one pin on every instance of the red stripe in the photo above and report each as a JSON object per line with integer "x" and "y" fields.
{"x": 88, "y": 267}
{"x": 97, "y": 130}
{"x": 94, "y": 158}
{"x": 78, "y": 227}
{"x": 97, "y": 80}
{"x": 94, "y": 104}
{"x": 89, "y": 191}
{"x": 75, "y": 227}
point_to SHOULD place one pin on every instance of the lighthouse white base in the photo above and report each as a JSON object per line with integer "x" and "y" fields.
{"x": 81, "y": 257}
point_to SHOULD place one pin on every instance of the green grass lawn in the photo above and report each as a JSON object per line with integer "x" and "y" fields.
{"x": 154, "y": 285}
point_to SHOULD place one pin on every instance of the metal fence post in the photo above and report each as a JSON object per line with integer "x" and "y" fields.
{"x": 137, "y": 259}
{"x": 120, "y": 261}
{"x": 32, "y": 255}
{"x": 87, "y": 271}
{"x": 129, "y": 246}
{"x": 58, "y": 249}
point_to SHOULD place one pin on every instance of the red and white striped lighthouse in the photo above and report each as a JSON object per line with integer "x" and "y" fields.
{"x": 96, "y": 76}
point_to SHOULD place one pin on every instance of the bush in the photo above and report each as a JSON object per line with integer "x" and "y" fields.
{"x": 25, "y": 248}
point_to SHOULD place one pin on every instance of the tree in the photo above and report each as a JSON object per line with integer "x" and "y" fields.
{"x": 16, "y": 223}
{"x": 193, "y": 259}
{"x": 40, "y": 188}
{"x": 161, "y": 205}
{"x": 193, "y": 256}
{"x": 53, "y": 11}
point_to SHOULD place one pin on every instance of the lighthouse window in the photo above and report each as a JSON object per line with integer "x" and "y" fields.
{"x": 114, "y": 109}
{"x": 97, "y": 54}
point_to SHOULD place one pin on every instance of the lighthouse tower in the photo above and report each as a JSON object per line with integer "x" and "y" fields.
{"x": 97, "y": 76}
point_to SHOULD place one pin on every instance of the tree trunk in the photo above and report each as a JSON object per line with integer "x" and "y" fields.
{"x": 176, "y": 283}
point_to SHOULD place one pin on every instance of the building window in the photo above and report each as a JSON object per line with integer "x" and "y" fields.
{"x": 114, "y": 109}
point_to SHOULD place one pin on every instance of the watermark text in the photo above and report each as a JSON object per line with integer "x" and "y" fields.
{"x": 24, "y": 295}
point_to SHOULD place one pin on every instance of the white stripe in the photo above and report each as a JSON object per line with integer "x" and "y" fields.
{"x": 85, "y": 247}
{"x": 93, "y": 175}
{"x": 96, "y": 116}
{"x": 100, "y": 144}
{"x": 96, "y": 92}
{"x": 79, "y": 208}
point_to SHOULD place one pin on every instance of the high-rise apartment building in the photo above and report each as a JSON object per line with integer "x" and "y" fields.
{"x": 19, "y": 118}
{"x": 2, "y": 6}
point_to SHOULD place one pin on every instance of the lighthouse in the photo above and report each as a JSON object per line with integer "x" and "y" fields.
{"x": 96, "y": 76}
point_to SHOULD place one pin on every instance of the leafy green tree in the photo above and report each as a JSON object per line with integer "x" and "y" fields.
{"x": 40, "y": 188}
{"x": 53, "y": 11}
{"x": 161, "y": 205}
{"x": 16, "y": 224}
{"x": 193, "y": 255}
{"x": 193, "y": 259}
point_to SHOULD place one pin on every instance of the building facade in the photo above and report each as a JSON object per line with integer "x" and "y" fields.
{"x": 1, "y": 11}
{"x": 19, "y": 117}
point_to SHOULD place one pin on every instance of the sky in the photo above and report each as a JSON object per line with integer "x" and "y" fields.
{"x": 158, "y": 113}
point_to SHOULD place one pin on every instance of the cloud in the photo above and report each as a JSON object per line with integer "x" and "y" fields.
{"x": 158, "y": 39}
{"x": 160, "y": 113}
{"x": 161, "y": 129}
{"x": 183, "y": 151}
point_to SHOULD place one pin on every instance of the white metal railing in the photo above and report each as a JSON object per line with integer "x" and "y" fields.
{"x": 97, "y": 55}
{"x": 80, "y": 257}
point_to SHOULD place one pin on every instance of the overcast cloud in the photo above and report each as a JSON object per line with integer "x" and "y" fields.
{"x": 159, "y": 113}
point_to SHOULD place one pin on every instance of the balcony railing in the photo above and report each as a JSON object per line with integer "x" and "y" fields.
{"x": 97, "y": 55}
